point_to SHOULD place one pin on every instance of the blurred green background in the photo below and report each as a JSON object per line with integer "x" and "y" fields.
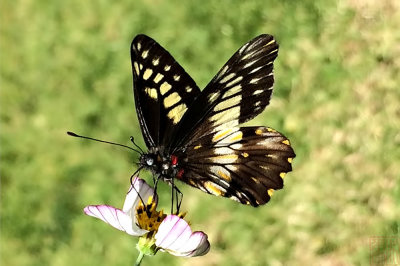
{"x": 65, "y": 65}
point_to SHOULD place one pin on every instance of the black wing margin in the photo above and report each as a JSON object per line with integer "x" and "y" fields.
{"x": 163, "y": 91}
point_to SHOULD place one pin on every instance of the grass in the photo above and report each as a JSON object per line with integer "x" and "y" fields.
{"x": 66, "y": 66}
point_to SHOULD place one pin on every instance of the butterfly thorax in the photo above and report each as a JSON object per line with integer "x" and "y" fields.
{"x": 160, "y": 163}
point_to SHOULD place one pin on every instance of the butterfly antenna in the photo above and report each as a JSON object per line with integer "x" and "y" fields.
{"x": 137, "y": 146}
{"x": 108, "y": 142}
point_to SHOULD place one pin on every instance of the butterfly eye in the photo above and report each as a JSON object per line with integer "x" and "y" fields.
{"x": 149, "y": 161}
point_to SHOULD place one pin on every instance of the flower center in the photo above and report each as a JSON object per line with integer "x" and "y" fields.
{"x": 147, "y": 216}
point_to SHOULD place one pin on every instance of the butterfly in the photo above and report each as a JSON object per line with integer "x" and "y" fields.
{"x": 195, "y": 136}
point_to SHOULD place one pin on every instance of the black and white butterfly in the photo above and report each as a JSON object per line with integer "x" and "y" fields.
{"x": 194, "y": 136}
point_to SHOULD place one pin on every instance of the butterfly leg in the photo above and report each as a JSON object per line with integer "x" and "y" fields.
{"x": 177, "y": 195}
{"x": 155, "y": 179}
{"x": 179, "y": 198}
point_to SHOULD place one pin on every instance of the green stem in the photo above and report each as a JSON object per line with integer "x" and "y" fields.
{"x": 139, "y": 259}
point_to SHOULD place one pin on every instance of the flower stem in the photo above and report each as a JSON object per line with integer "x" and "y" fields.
{"x": 139, "y": 259}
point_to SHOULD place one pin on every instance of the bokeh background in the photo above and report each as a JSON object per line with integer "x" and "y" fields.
{"x": 65, "y": 65}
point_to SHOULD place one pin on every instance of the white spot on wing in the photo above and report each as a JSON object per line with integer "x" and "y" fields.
{"x": 227, "y": 77}
{"x": 188, "y": 89}
{"x": 236, "y": 80}
{"x": 254, "y": 81}
{"x": 232, "y": 91}
{"x": 228, "y": 103}
{"x": 145, "y": 54}
{"x": 177, "y": 77}
{"x": 257, "y": 92}
{"x": 156, "y": 61}
{"x": 222, "y": 72}
{"x": 255, "y": 70}
{"x": 167, "y": 67}
{"x": 227, "y": 115}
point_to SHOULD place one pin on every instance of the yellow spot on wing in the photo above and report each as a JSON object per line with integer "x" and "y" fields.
{"x": 271, "y": 42}
{"x": 167, "y": 68}
{"x": 156, "y": 61}
{"x": 259, "y": 131}
{"x": 290, "y": 160}
{"x": 224, "y": 176}
{"x": 147, "y": 73}
{"x": 213, "y": 188}
{"x": 245, "y": 154}
{"x": 145, "y": 53}
{"x": 177, "y": 77}
{"x": 282, "y": 175}
{"x": 270, "y": 129}
{"x": 152, "y": 93}
{"x": 135, "y": 64}
{"x": 172, "y": 99}
{"x": 237, "y": 136}
{"x": 165, "y": 87}
{"x": 188, "y": 89}
{"x": 221, "y": 134}
{"x": 177, "y": 112}
{"x": 270, "y": 192}
{"x": 286, "y": 141}
{"x": 197, "y": 147}
{"x": 158, "y": 77}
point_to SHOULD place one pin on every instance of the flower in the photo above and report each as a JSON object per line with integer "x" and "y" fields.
{"x": 157, "y": 231}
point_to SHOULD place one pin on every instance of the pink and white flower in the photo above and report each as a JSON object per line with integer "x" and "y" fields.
{"x": 156, "y": 230}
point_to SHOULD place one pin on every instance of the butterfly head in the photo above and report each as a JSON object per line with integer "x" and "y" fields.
{"x": 160, "y": 164}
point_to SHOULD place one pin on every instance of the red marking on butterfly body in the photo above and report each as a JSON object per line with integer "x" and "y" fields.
{"x": 174, "y": 160}
{"x": 180, "y": 173}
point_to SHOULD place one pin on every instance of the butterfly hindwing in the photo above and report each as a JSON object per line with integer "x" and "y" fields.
{"x": 245, "y": 164}
{"x": 163, "y": 91}
{"x": 240, "y": 91}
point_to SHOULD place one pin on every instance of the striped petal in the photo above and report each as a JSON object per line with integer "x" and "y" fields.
{"x": 140, "y": 187}
{"x": 114, "y": 217}
{"x": 176, "y": 237}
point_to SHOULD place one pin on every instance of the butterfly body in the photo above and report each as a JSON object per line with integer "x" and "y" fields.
{"x": 195, "y": 136}
{"x": 160, "y": 163}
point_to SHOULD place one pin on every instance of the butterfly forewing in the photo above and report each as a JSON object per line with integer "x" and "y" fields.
{"x": 163, "y": 91}
{"x": 245, "y": 164}
{"x": 240, "y": 91}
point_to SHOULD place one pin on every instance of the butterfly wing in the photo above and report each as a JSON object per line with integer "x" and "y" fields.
{"x": 240, "y": 91}
{"x": 163, "y": 91}
{"x": 245, "y": 164}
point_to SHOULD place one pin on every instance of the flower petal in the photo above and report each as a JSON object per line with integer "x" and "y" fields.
{"x": 115, "y": 217}
{"x": 132, "y": 199}
{"x": 175, "y": 236}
